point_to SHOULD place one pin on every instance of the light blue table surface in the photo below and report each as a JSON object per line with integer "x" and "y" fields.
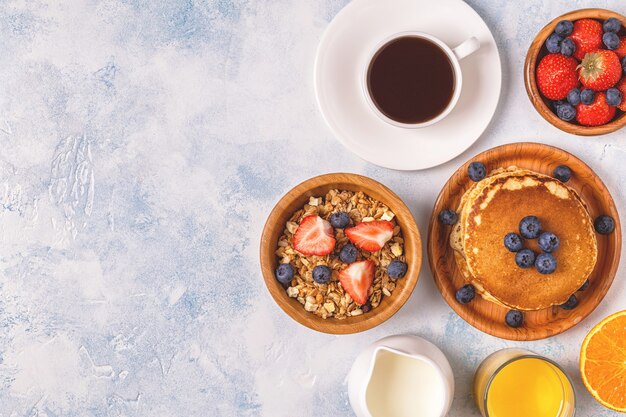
{"x": 142, "y": 146}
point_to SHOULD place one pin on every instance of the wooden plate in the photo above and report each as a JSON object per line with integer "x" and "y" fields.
{"x": 319, "y": 186}
{"x": 537, "y": 50}
{"x": 489, "y": 317}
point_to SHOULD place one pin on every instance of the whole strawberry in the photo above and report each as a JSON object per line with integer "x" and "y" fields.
{"x": 621, "y": 86}
{"x": 596, "y": 113}
{"x": 587, "y": 35}
{"x": 600, "y": 70}
{"x": 556, "y": 76}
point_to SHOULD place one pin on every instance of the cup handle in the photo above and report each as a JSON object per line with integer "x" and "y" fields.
{"x": 466, "y": 48}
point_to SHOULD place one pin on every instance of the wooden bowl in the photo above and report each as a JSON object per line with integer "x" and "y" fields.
{"x": 537, "y": 51}
{"x": 319, "y": 186}
{"x": 489, "y": 317}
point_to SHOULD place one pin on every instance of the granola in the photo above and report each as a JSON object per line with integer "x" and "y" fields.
{"x": 331, "y": 300}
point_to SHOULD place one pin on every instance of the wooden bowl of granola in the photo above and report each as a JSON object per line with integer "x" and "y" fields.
{"x": 328, "y": 307}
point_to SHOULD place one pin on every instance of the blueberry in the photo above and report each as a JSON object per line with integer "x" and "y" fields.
{"x": 514, "y": 318}
{"x": 465, "y": 294}
{"x": 545, "y": 263}
{"x": 571, "y": 303}
{"x": 624, "y": 65}
{"x": 367, "y": 307}
{"x": 587, "y": 96}
{"x": 610, "y": 40}
{"x": 530, "y": 227}
{"x": 611, "y": 25}
{"x": 566, "y": 112}
{"x": 564, "y": 28}
{"x": 396, "y": 269}
{"x": 553, "y": 44}
{"x": 585, "y": 285}
{"x": 573, "y": 97}
{"x": 549, "y": 242}
{"x": 513, "y": 242}
{"x": 321, "y": 274}
{"x": 525, "y": 258}
{"x": 284, "y": 273}
{"x": 557, "y": 104}
{"x": 339, "y": 220}
{"x": 348, "y": 253}
{"x": 476, "y": 171}
{"x": 613, "y": 97}
{"x": 562, "y": 173}
{"x": 448, "y": 217}
{"x": 604, "y": 224}
{"x": 568, "y": 47}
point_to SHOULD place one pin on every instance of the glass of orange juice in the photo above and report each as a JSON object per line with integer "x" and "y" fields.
{"x": 520, "y": 383}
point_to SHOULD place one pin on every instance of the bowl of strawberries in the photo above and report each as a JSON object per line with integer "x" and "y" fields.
{"x": 575, "y": 72}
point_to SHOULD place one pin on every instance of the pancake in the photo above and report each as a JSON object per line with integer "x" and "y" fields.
{"x": 494, "y": 207}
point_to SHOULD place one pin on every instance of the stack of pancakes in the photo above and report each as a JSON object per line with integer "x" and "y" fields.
{"x": 493, "y": 207}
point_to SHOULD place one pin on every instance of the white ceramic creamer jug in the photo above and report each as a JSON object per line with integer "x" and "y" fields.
{"x": 401, "y": 376}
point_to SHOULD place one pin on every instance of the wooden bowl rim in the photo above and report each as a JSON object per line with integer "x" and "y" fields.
{"x": 440, "y": 276}
{"x": 354, "y": 324}
{"x": 530, "y": 83}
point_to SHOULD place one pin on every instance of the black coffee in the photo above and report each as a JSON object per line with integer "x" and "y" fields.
{"x": 411, "y": 80}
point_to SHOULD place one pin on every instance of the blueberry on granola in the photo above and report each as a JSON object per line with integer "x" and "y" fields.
{"x": 321, "y": 274}
{"x": 396, "y": 269}
{"x": 339, "y": 220}
{"x": 348, "y": 253}
{"x": 284, "y": 273}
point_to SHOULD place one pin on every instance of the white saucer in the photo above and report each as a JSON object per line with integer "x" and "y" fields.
{"x": 342, "y": 55}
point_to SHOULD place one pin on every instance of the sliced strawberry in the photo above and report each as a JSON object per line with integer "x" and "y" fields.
{"x": 314, "y": 236}
{"x": 357, "y": 280}
{"x": 371, "y": 236}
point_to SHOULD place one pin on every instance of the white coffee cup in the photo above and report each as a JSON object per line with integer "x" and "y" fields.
{"x": 454, "y": 55}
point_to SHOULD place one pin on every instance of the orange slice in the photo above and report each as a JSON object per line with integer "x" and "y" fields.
{"x": 603, "y": 362}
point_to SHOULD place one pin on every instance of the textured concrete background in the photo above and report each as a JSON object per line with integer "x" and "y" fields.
{"x": 142, "y": 145}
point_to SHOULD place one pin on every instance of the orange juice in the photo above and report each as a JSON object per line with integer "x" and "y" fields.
{"x": 518, "y": 383}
